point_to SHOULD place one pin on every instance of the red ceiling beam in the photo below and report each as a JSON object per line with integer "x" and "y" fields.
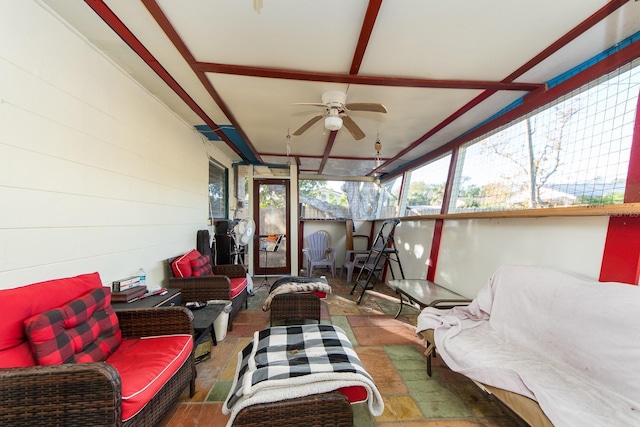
{"x": 110, "y": 18}
{"x": 365, "y": 33}
{"x": 581, "y": 28}
{"x": 327, "y": 150}
{"x": 537, "y": 99}
{"x": 468, "y": 106}
{"x": 275, "y": 73}
{"x": 173, "y": 35}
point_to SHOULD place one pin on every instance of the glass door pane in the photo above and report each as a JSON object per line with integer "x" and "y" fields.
{"x": 271, "y": 214}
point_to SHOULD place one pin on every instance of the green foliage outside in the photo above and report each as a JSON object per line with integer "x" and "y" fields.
{"x": 607, "y": 199}
{"x": 272, "y": 196}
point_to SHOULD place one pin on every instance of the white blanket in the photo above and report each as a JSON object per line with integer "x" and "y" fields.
{"x": 285, "y": 362}
{"x": 568, "y": 342}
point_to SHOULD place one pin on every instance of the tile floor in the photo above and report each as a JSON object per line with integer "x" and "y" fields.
{"x": 388, "y": 348}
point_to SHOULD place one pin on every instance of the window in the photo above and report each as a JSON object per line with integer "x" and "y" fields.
{"x": 339, "y": 199}
{"x": 426, "y": 187}
{"x": 574, "y": 151}
{"x": 218, "y": 199}
{"x": 389, "y": 198}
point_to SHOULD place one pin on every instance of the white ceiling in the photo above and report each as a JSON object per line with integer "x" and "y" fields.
{"x": 428, "y": 41}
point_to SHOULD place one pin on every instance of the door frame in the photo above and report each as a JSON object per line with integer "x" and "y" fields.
{"x": 262, "y": 271}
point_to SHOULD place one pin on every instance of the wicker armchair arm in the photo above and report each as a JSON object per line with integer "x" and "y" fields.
{"x": 143, "y": 322}
{"x": 230, "y": 270}
{"x": 202, "y": 288}
{"x": 76, "y": 394}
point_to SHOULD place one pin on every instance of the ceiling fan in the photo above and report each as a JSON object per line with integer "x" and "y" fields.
{"x": 336, "y": 113}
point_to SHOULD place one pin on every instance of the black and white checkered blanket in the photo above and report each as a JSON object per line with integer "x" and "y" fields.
{"x": 286, "y": 362}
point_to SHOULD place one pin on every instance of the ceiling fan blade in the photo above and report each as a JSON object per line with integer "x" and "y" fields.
{"x": 307, "y": 125}
{"x": 353, "y": 128}
{"x": 366, "y": 106}
{"x": 311, "y": 104}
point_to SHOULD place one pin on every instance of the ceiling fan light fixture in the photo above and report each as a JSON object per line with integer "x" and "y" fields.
{"x": 332, "y": 122}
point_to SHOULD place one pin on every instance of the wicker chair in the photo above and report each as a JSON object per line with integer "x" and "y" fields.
{"x": 295, "y": 307}
{"x": 217, "y": 287}
{"x": 90, "y": 394}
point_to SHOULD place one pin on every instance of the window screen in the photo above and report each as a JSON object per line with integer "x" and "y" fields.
{"x": 574, "y": 151}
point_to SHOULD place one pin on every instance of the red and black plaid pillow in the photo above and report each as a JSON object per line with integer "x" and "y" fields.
{"x": 201, "y": 266}
{"x": 84, "y": 330}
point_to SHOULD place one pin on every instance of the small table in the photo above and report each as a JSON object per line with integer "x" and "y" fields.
{"x": 426, "y": 294}
{"x": 171, "y": 298}
{"x": 203, "y": 319}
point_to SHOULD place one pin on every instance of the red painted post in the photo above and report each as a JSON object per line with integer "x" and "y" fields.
{"x": 621, "y": 255}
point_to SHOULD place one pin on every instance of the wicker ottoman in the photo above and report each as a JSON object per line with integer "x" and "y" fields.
{"x": 326, "y": 409}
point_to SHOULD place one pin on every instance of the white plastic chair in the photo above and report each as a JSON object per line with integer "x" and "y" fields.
{"x": 355, "y": 258}
{"x": 318, "y": 253}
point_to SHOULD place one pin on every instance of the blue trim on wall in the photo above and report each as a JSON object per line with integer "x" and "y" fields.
{"x": 592, "y": 61}
{"x": 233, "y": 135}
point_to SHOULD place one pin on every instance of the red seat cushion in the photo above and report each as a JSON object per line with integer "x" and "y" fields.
{"x": 181, "y": 266}
{"x": 237, "y": 285}
{"x": 355, "y": 393}
{"x": 145, "y": 365}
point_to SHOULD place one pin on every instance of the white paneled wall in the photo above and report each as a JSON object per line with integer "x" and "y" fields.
{"x": 413, "y": 240}
{"x": 95, "y": 173}
{"x": 471, "y": 250}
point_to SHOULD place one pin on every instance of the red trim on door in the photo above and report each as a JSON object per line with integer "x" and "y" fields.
{"x": 621, "y": 256}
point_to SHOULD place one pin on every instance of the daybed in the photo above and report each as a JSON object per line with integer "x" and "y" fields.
{"x": 550, "y": 340}
{"x": 198, "y": 280}
{"x": 67, "y": 359}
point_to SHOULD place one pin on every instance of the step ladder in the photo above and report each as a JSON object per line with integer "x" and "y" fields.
{"x": 383, "y": 253}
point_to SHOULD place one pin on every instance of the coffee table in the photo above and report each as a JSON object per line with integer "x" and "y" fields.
{"x": 203, "y": 319}
{"x": 426, "y": 294}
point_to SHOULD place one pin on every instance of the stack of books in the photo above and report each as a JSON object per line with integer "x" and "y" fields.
{"x": 128, "y": 294}
{"x": 124, "y": 284}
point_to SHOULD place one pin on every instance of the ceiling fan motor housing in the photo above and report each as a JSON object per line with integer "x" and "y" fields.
{"x": 334, "y": 99}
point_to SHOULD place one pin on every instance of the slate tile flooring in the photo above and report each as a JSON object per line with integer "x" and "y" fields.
{"x": 389, "y": 349}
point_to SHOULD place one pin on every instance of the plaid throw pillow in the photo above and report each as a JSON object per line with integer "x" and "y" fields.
{"x": 84, "y": 330}
{"x": 201, "y": 266}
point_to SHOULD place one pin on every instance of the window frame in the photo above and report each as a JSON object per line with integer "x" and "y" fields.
{"x": 225, "y": 185}
{"x": 529, "y": 103}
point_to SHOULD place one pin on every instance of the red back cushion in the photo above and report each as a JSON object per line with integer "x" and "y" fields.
{"x": 85, "y": 330}
{"x": 18, "y": 304}
{"x": 201, "y": 266}
{"x": 181, "y": 266}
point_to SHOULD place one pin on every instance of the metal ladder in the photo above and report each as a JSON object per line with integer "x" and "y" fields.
{"x": 383, "y": 252}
